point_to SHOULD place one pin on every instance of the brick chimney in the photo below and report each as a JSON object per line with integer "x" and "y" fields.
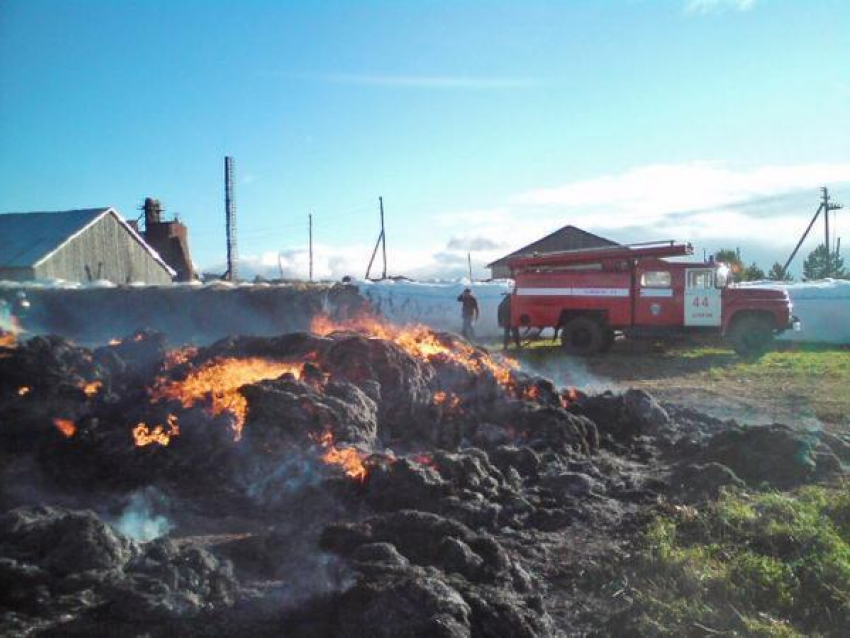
{"x": 169, "y": 238}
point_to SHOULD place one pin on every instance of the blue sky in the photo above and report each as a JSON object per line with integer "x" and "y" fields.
{"x": 484, "y": 125}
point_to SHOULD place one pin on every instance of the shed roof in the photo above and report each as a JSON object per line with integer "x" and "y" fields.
{"x": 564, "y": 238}
{"x": 27, "y": 239}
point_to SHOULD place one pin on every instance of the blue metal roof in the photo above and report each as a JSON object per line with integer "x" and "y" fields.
{"x": 26, "y": 238}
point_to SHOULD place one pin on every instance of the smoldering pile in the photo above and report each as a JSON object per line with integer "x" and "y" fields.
{"x": 380, "y": 484}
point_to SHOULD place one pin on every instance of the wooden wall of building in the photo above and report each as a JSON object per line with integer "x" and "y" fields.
{"x": 105, "y": 250}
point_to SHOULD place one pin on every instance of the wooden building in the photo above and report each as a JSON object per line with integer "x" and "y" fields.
{"x": 566, "y": 238}
{"x": 77, "y": 245}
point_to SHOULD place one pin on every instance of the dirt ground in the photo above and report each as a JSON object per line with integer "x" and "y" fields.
{"x": 805, "y": 387}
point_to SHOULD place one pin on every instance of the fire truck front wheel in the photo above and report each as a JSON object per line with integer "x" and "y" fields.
{"x": 752, "y": 336}
{"x": 582, "y": 336}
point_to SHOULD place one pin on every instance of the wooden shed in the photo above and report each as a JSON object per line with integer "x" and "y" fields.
{"x": 566, "y": 238}
{"x": 86, "y": 245}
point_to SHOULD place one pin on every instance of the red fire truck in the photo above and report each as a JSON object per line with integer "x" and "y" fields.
{"x": 590, "y": 295}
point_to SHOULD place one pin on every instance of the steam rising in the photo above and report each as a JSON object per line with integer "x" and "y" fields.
{"x": 567, "y": 371}
{"x": 138, "y": 520}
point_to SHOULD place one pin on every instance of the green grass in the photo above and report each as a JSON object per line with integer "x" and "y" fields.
{"x": 799, "y": 361}
{"x": 768, "y": 564}
{"x": 811, "y": 379}
{"x": 821, "y": 375}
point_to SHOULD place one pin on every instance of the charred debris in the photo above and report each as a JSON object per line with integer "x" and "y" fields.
{"x": 357, "y": 480}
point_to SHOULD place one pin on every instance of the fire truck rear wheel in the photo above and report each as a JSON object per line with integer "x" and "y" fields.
{"x": 608, "y": 338}
{"x": 751, "y": 336}
{"x": 582, "y": 336}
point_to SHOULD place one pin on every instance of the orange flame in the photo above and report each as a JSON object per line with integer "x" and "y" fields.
{"x": 66, "y": 426}
{"x": 420, "y": 342}
{"x": 531, "y": 393}
{"x": 217, "y": 384}
{"x": 348, "y": 458}
{"x": 174, "y": 358}
{"x": 448, "y": 400}
{"x": 144, "y": 435}
{"x": 24, "y": 390}
{"x": 91, "y": 389}
{"x": 423, "y": 459}
{"x": 9, "y": 336}
{"x": 568, "y": 396}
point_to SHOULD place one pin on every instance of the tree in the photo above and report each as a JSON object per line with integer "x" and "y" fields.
{"x": 777, "y": 273}
{"x": 752, "y": 273}
{"x": 822, "y": 263}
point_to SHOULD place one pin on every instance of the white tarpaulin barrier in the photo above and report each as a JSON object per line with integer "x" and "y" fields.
{"x": 822, "y": 306}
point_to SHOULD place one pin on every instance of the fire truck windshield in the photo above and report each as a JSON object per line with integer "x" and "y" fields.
{"x": 722, "y": 278}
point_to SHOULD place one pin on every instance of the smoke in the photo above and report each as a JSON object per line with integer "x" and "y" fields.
{"x": 8, "y": 321}
{"x": 567, "y": 371}
{"x": 276, "y": 485}
{"x": 138, "y": 520}
{"x": 186, "y": 314}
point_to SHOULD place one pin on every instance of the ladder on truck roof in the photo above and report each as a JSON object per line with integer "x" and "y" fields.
{"x": 665, "y": 248}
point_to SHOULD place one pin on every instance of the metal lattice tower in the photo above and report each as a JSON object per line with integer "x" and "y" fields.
{"x": 230, "y": 219}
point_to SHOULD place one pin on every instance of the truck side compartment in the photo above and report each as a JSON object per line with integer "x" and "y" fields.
{"x": 546, "y": 300}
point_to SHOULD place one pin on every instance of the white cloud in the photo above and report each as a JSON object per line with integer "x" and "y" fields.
{"x": 763, "y": 210}
{"x": 477, "y": 243}
{"x": 713, "y": 6}
{"x": 332, "y": 262}
{"x": 649, "y": 194}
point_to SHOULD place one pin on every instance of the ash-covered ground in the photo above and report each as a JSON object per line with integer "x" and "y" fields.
{"x": 371, "y": 481}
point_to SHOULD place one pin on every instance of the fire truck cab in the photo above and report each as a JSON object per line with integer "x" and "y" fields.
{"x": 590, "y": 295}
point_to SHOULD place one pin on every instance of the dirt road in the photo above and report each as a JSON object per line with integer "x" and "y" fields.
{"x": 807, "y": 388}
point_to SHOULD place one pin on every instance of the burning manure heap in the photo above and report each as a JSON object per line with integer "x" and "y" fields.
{"x": 358, "y": 480}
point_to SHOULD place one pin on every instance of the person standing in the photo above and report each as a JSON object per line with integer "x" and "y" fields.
{"x": 469, "y": 312}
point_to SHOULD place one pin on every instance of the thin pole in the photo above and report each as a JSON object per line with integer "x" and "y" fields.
{"x": 310, "y": 221}
{"x": 372, "y": 258}
{"x": 469, "y": 261}
{"x": 383, "y": 237}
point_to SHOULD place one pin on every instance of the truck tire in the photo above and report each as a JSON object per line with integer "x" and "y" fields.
{"x": 582, "y": 336}
{"x": 608, "y": 338}
{"x": 752, "y": 336}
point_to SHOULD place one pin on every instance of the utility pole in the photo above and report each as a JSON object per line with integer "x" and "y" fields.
{"x": 825, "y": 204}
{"x": 382, "y": 241}
{"x": 827, "y": 207}
{"x": 469, "y": 261}
{"x": 383, "y": 237}
{"x": 230, "y": 219}
{"x": 824, "y": 207}
{"x": 310, "y": 224}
